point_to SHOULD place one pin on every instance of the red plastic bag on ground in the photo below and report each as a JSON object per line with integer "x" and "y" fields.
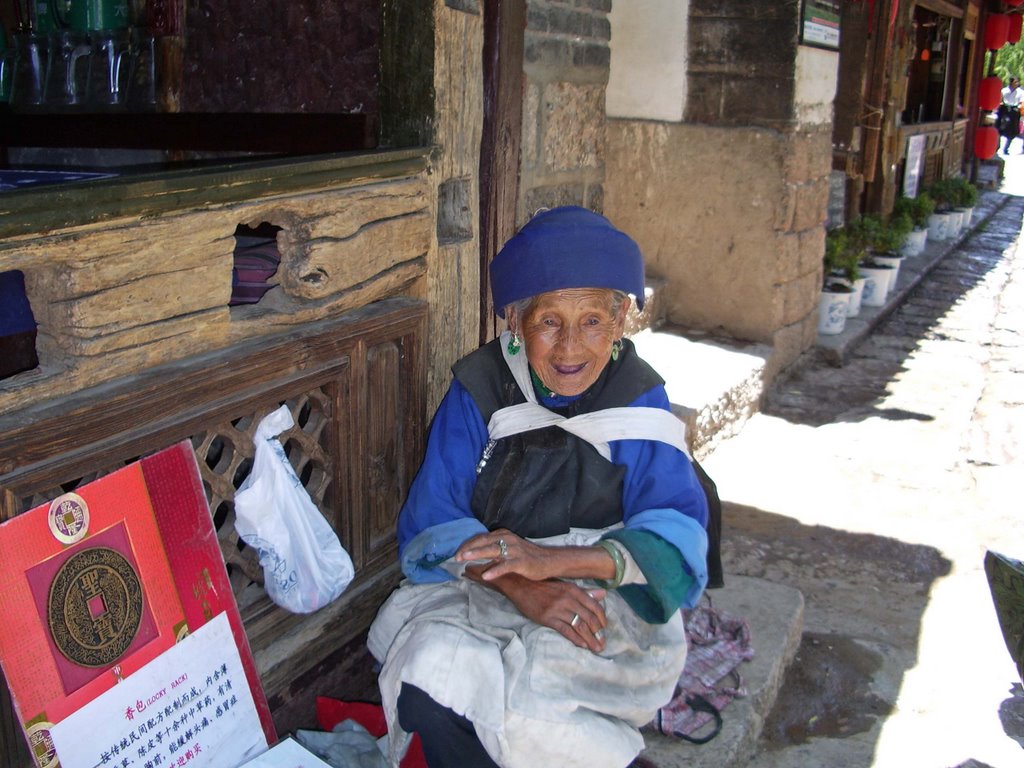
{"x": 330, "y": 712}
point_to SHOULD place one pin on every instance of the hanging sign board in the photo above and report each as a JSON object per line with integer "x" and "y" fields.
{"x": 912, "y": 167}
{"x": 119, "y": 621}
{"x": 819, "y": 23}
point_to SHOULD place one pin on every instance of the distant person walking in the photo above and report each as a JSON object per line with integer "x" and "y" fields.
{"x": 1008, "y": 114}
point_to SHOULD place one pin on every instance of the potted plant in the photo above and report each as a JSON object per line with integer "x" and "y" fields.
{"x": 917, "y": 209}
{"x": 965, "y": 197}
{"x": 834, "y": 301}
{"x": 866, "y": 233}
{"x": 886, "y": 240}
{"x": 847, "y": 253}
{"x": 945, "y": 223}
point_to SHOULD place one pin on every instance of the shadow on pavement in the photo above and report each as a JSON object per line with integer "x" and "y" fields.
{"x": 843, "y": 680}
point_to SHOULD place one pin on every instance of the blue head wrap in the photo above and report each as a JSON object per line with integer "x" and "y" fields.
{"x": 568, "y": 247}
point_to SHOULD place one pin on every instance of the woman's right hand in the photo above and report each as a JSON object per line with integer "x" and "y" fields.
{"x": 575, "y": 613}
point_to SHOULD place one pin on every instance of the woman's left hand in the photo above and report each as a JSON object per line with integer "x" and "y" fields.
{"x": 509, "y": 553}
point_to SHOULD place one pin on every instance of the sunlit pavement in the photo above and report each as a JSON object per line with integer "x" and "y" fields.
{"x": 881, "y": 512}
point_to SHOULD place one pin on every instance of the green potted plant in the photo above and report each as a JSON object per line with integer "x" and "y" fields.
{"x": 965, "y": 197}
{"x": 834, "y": 300}
{"x": 886, "y": 241}
{"x": 918, "y": 209}
{"x": 944, "y": 223}
{"x": 850, "y": 254}
{"x": 871, "y": 236}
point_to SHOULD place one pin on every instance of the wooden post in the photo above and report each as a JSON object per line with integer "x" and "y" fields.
{"x": 500, "y": 144}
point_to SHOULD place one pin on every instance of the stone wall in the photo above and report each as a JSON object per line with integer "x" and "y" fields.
{"x": 729, "y": 206}
{"x": 742, "y": 62}
{"x": 566, "y": 66}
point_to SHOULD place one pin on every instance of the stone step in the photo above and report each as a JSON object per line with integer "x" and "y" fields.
{"x": 774, "y": 613}
{"x": 714, "y": 385}
{"x": 653, "y": 314}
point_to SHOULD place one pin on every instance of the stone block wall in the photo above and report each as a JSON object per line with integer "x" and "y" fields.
{"x": 741, "y": 62}
{"x": 730, "y": 205}
{"x": 566, "y": 65}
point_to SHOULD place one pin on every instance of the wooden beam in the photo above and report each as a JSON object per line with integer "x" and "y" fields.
{"x": 943, "y": 7}
{"x": 500, "y": 145}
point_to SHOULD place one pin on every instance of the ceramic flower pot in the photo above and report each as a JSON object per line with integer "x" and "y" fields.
{"x": 832, "y": 307}
{"x": 856, "y": 297}
{"x": 889, "y": 259}
{"x": 956, "y": 223}
{"x": 876, "y": 289}
{"x": 915, "y": 243}
{"x": 937, "y": 226}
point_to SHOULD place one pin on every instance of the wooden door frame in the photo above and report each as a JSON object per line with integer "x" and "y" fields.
{"x": 501, "y": 139}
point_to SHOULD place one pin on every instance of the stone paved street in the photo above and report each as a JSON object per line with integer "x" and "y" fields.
{"x": 876, "y": 489}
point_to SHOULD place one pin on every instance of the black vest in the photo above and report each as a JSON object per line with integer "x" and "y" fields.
{"x": 541, "y": 483}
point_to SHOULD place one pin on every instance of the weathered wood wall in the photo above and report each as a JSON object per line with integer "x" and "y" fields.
{"x": 114, "y": 298}
{"x": 453, "y": 270}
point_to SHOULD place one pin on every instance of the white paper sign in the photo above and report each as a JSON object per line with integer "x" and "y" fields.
{"x": 190, "y": 707}
{"x": 912, "y": 167}
{"x": 287, "y": 754}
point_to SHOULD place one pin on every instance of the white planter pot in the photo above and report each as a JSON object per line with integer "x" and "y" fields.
{"x": 889, "y": 260}
{"x": 876, "y": 289}
{"x": 956, "y": 224}
{"x": 968, "y": 214}
{"x": 938, "y": 227}
{"x": 915, "y": 242}
{"x": 856, "y": 297}
{"x": 832, "y": 312}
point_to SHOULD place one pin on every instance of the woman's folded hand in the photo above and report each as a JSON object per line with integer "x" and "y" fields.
{"x": 509, "y": 553}
{"x": 575, "y": 613}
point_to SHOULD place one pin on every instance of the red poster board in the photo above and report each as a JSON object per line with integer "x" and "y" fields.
{"x": 101, "y": 581}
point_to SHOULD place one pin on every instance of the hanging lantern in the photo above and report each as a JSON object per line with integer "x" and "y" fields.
{"x": 925, "y": 54}
{"x": 1013, "y": 33}
{"x": 1013, "y": 3}
{"x": 986, "y": 142}
{"x": 989, "y": 93}
{"x": 997, "y": 27}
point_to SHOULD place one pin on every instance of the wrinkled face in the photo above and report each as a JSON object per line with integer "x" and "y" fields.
{"x": 568, "y": 336}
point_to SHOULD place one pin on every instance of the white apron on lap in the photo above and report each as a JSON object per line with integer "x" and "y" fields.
{"x": 534, "y": 698}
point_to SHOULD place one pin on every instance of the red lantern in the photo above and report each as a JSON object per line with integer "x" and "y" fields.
{"x": 990, "y": 92}
{"x": 986, "y": 142}
{"x": 1013, "y": 3}
{"x": 1013, "y": 33}
{"x": 997, "y": 27}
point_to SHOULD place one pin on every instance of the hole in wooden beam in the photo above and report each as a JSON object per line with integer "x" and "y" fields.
{"x": 256, "y": 260}
{"x": 17, "y": 326}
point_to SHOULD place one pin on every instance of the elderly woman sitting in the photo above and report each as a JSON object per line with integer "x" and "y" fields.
{"x": 554, "y": 530}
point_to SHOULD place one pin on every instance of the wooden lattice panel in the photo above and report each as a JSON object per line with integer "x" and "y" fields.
{"x": 355, "y": 388}
{"x": 225, "y": 455}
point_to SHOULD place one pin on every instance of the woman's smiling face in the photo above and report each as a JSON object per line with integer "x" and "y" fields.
{"x": 569, "y": 334}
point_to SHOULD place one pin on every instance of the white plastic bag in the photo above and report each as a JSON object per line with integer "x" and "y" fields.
{"x": 304, "y": 565}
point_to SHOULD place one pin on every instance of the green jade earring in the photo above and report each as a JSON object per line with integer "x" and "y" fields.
{"x": 514, "y": 345}
{"x": 616, "y": 349}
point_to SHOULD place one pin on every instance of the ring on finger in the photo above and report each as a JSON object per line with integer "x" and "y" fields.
{"x": 502, "y": 548}
{"x": 575, "y": 620}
